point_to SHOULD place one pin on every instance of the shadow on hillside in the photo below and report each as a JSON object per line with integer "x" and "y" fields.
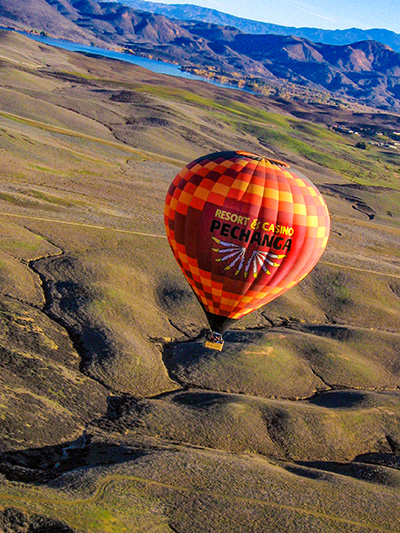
{"x": 339, "y": 399}
{"x": 390, "y": 460}
{"x": 381, "y": 468}
{"x": 41, "y": 465}
{"x": 195, "y": 349}
{"x": 68, "y": 299}
{"x": 13, "y": 519}
{"x": 377, "y": 467}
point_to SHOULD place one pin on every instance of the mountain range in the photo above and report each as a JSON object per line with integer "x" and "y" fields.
{"x": 367, "y": 72}
{"x": 204, "y": 14}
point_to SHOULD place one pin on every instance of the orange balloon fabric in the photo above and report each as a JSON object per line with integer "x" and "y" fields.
{"x": 244, "y": 229}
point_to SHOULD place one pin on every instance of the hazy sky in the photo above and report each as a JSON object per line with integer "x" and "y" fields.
{"x": 327, "y": 14}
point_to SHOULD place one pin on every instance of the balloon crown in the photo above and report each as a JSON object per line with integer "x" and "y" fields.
{"x": 255, "y": 157}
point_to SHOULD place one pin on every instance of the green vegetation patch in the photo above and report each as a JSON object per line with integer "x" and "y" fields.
{"x": 18, "y": 200}
{"x": 50, "y": 198}
{"x": 329, "y": 152}
{"x": 227, "y": 106}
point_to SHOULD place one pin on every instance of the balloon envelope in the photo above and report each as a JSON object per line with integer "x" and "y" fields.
{"x": 244, "y": 229}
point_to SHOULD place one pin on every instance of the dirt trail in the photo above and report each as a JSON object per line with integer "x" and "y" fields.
{"x": 83, "y": 225}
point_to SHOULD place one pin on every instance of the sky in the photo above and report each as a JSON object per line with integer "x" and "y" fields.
{"x": 326, "y": 14}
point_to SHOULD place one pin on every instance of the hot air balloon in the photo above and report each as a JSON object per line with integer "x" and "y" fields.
{"x": 244, "y": 229}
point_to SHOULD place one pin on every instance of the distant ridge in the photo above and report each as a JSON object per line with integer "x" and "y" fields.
{"x": 366, "y": 72}
{"x": 203, "y": 14}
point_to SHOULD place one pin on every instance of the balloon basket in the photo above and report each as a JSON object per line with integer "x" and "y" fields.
{"x": 214, "y": 346}
{"x": 214, "y": 341}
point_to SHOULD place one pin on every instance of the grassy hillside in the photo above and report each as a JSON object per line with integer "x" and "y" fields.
{"x": 114, "y": 416}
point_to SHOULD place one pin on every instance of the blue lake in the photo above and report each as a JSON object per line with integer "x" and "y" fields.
{"x": 151, "y": 64}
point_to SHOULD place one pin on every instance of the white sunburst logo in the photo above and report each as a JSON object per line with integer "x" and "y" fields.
{"x": 237, "y": 254}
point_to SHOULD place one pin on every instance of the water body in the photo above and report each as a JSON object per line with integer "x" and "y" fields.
{"x": 151, "y": 64}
